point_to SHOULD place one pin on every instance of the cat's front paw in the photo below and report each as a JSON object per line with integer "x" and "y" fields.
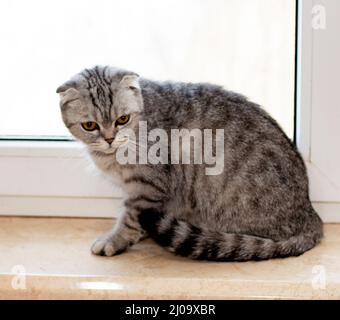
{"x": 109, "y": 245}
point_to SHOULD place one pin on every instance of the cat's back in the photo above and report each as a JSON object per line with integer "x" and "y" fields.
{"x": 203, "y": 105}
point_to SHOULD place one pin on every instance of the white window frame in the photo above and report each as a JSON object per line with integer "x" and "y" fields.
{"x": 53, "y": 178}
{"x": 45, "y": 178}
{"x": 311, "y": 62}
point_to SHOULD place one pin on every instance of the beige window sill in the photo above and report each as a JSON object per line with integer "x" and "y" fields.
{"x": 54, "y": 253}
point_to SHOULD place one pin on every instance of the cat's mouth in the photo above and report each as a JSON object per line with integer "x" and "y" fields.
{"x": 118, "y": 142}
{"x": 109, "y": 149}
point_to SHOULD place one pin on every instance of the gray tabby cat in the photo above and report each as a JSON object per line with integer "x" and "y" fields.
{"x": 257, "y": 208}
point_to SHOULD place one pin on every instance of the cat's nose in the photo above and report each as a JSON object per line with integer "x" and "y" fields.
{"x": 109, "y": 140}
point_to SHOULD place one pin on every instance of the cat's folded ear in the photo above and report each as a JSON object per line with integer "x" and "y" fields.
{"x": 66, "y": 86}
{"x": 68, "y": 93}
{"x": 130, "y": 81}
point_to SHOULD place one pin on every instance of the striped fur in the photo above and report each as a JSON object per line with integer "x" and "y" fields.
{"x": 257, "y": 208}
{"x": 184, "y": 239}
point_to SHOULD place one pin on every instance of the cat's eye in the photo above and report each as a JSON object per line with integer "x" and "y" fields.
{"x": 90, "y": 126}
{"x": 122, "y": 120}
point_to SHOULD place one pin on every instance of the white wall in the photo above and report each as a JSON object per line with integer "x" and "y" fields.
{"x": 318, "y": 129}
{"x": 247, "y": 46}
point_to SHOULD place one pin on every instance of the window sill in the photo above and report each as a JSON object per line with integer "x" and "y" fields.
{"x": 55, "y": 254}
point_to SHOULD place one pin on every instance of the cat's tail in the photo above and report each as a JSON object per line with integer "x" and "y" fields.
{"x": 187, "y": 240}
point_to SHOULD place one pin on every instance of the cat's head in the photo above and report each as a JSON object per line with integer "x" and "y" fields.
{"x": 98, "y": 106}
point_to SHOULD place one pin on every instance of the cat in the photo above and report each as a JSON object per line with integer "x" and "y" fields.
{"x": 257, "y": 208}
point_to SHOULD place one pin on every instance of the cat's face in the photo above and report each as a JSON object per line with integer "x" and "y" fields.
{"x": 100, "y": 106}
